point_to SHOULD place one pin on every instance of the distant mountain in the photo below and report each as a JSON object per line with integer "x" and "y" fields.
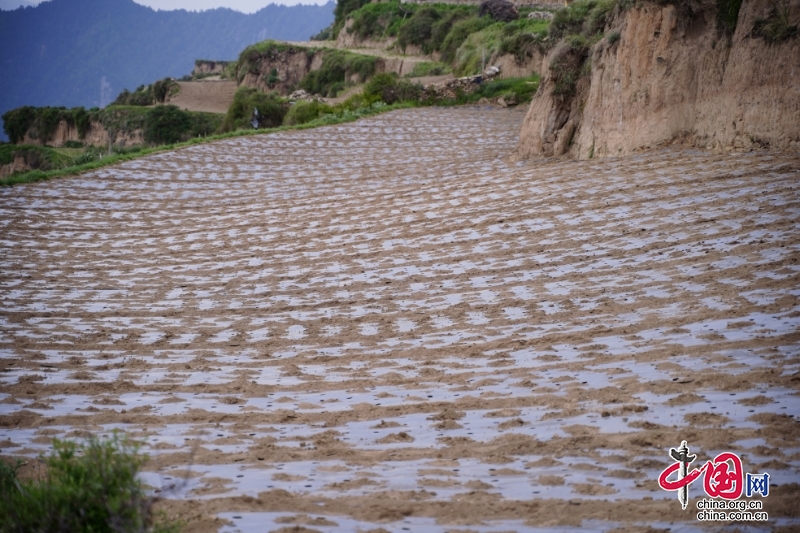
{"x": 84, "y": 52}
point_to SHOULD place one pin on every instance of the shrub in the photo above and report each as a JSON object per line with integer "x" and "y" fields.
{"x": 17, "y": 122}
{"x": 428, "y": 68}
{"x": 89, "y": 487}
{"x": 324, "y": 34}
{"x": 166, "y": 124}
{"x": 613, "y": 37}
{"x": 344, "y": 8}
{"x": 337, "y": 67}
{"x": 271, "y": 110}
{"x": 305, "y": 111}
{"x": 570, "y": 19}
{"x": 728, "y": 15}
{"x": 565, "y": 67}
{"x": 459, "y": 33}
{"x": 73, "y": 144}
{"x": 391, "y": 89}
{"x": 775, "y": 27}
{"x": 442, "y": 28}
{"x": 374, "y": 20}
{"x": 419, "y": 28}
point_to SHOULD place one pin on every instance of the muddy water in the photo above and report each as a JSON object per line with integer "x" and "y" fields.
{"x": 388, "y": 324}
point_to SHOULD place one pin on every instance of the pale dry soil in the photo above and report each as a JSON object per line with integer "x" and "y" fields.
{"x": 210, "y": 96}
{"x": 389, "y": 325}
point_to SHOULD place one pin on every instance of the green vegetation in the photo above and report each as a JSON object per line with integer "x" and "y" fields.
{"x": 250, "y": 58}
{"x": 391, "y": 89}
{"x": 271, "y": 110}
{"x": 34, "y": 156}
{"x": 338, "y": 68}
{"x": 167, "y": 124}
{"x": 775, "y": 27}
{"x": 513, "y": 90}
{"x": 147, "y": 95}
{"x": 41, "y": 122}
{"x": 728, "y": 15}
{"x": 303, "y": 112}
{"x": 342, "y": 10}
{"x": 428, "y": 68}
{"x": 89, "y": 487}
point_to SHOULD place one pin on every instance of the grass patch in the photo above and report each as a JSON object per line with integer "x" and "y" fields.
{"x": 90, "y": 487}
{"x": 147, "y": 95}
{"x": 775, "y": 27}
{"x": 428, "y": 68}
{"x": 304, "y": 111}
{"x": 40, "y": 123}
{"x": 513, "y": 90}
{"x": 338, "y": 68}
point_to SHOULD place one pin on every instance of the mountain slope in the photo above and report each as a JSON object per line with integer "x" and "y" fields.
{"x": 84, "y": 52}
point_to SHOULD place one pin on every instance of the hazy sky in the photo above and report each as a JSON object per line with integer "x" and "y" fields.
{"x": 245, "y": 6}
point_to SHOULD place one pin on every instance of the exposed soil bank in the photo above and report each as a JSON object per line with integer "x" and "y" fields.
{"x": 672, "y": 80}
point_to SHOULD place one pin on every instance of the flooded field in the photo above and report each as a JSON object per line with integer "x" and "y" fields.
{"x": 388, "y": 325}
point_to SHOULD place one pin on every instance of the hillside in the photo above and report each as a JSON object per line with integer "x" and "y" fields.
{"x": 84, "y": 52}
{"x": 625, "y": 79}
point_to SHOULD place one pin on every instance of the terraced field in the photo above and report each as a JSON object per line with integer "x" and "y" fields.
{"x": 389, "y": 325}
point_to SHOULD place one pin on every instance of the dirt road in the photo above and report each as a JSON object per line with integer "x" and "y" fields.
{"x": 386, "y": 325}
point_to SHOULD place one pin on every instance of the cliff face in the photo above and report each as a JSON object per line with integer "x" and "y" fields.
{"x": 97, "y": 135}
{"x": 205, "y": 67}
{"x": 290, "y": 66}
{"x": 668, "y": 80}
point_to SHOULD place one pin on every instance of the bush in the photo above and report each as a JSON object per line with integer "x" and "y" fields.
{"x": 728, "y": 15}
{"x": 775, "y": 27}
{"x": 391, "y": 89}
{"x": 565, "y": 67}
{"x": 459, "y": 33}
{"x": 419, "y": 28}
{"x": 344, "y": 8}
{"x": 586, "y": 17}
{"x": 271, "y": 110}
{"x": 374, "y": 20}
{"x": 304, "y": 111}
{"x": 17, "y": 122}
{"x": 89, "y": 487}
{"x": 428, "y": 68}
{"x": 166, "y": 124}
{"x": 73, "y": 144}
{"x": 337, "y": 67}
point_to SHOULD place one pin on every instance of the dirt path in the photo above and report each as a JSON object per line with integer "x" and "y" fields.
{"x": 210, "y": 96}
{"x": 386, "y": 325}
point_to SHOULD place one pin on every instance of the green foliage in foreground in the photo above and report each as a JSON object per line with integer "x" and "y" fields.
{"x": 89, "y": 487}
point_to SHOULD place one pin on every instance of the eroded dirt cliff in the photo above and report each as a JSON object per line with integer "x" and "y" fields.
{"x": 664, "y": 79}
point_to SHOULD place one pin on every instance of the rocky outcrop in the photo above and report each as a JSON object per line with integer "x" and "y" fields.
{"x": 657, "y": 79}
{"x": 500, "y": 10}
{"x": 20, "y": 164}
{"x": 204, "y": 67}
{"x": 281, "y": 70}
{"x": 96, "y": 135}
